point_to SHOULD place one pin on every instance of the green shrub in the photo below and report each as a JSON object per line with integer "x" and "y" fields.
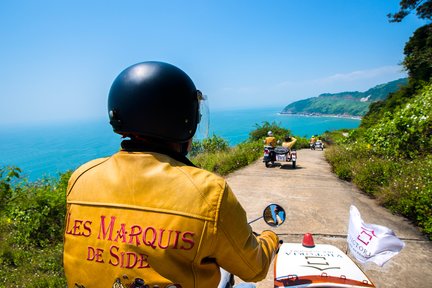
{"x": 404, "y": 186}
{"x": 340, "y": 159}
{"x": 38, "y": 212}
{"x": 260, "y": 131}
{"x": 209, "y": 145}
{"x": 406, "y": 132}
{"x": 410, "y": 192}
{"x": 301, "y": 143}
{"x": 8, "y": 175}
{"x": 343, "y": 171}
{"x": 225, "y": 162}
{"x": 337, "y": 136}
{"x": 31, "y": 230}
{"x": 372, "y": 173}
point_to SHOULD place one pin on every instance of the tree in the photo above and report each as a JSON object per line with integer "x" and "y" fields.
{"x": 418, "y": 54}
{"x": 423, "y": 10}
{"x": 418, "y": 50}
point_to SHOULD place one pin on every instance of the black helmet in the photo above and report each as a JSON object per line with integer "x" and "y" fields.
{"x": 154, "y": 99}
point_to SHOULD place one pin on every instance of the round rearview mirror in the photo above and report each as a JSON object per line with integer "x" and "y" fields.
{"x": 274, "y": 215}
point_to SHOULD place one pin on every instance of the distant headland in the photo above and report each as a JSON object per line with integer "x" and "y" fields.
{"x": 353, "y": 104}
{"x": 346, "y": 116}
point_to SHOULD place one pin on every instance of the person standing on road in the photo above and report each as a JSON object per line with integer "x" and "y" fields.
{"x": 147, "y": 214}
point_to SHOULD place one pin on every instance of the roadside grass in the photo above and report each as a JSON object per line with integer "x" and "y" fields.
{"x": 230, "y": 159}
{"x": 31, "y": 230}
{"x": 389, "y": 156}
{"x": 404, "y": 186}
{"x": 409, "y": 192}
{"x": 33, "y": 266}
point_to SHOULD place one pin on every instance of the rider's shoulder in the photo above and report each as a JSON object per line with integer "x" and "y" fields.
{"x": 201, "y": 174}
{"x": 88, "y": 166}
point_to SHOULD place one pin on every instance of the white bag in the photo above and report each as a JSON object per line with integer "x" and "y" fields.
{"x": 370, "y": 242}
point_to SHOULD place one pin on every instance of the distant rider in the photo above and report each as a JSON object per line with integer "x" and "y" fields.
{"x": 312, "y": 142}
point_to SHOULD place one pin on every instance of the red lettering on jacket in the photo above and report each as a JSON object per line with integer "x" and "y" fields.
{"x": 109, "y": 229}
{"x": 135, "y": 235}
{"x": 95, "y": 254}
{"x": 176, "y": 239}
{"x": 121, "y": 233}
{"x": 87, "y": 228}
{"x": 143, "y": 261}
{"x": 161, "y": 239}
{"x": 185, "y": 238}
{"x": 151, "y": 242}
{"x": 113, "y": 251}
{"x": 128, "y": 260}
{"x": 79, "y": 228}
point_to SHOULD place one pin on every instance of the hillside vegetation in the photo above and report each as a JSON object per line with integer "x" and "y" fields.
{"x": 389, "y": 156}
{"x": 391, "y": 160}
{"x": 344, "y": 103}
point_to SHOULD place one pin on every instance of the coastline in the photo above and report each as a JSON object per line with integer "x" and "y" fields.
{"x": 76, "y": 143}
{"x": 344, "y": 116}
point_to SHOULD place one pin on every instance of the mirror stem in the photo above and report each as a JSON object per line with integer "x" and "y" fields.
{"x": 255, "y": 220}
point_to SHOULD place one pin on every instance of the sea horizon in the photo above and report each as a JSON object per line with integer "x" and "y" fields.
{"x": 48, "y": 149}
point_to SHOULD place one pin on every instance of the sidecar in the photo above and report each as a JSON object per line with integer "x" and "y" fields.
{"x": 318, "y": 265}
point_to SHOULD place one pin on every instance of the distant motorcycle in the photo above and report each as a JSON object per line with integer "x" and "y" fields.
{"x": 280, "y": 154}
{"x": 317, "y": 145}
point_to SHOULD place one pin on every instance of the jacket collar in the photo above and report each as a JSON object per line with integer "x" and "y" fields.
{"x": 137, "y": 146}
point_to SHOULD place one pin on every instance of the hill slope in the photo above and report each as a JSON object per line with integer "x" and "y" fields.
{"x": 344, "y": 103}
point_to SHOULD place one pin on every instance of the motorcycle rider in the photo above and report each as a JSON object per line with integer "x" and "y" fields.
{"x": 146, "y": 214}
{"x": 312, "y": 142}
{"x": 270, "y": 140}
{"x": 278, "y": 218}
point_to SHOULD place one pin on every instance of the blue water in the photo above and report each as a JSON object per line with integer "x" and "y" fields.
{"x": 47, "y": 150}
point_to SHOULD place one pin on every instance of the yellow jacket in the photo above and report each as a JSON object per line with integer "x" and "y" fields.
{"x": 145, "y": 215}
{"x": 270, "y": 141}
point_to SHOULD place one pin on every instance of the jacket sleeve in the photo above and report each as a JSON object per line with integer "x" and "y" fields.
{"x": 237, "y": 249}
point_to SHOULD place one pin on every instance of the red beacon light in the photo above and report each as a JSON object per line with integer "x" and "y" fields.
{"x": 308, "y": 241}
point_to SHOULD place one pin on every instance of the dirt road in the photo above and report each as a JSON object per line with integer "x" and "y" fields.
{"x": 316, "y": 201}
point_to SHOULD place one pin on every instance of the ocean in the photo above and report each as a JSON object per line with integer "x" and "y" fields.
{"x": 47, "y": 150}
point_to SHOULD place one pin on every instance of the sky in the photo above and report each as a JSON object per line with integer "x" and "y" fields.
{"x": 58, "y": 59}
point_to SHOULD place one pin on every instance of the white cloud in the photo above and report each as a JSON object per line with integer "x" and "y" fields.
{"x": 359, "y": 80}
{"x": 293, "y": 90}
{"x": 374, "y": 73}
